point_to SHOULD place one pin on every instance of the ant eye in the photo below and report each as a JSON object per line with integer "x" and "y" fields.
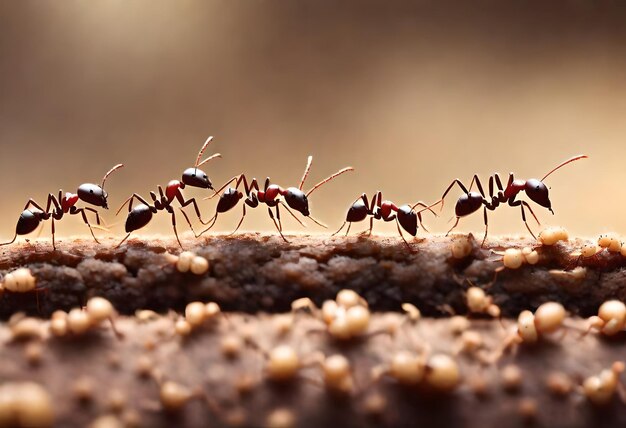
{"x": 91, "y": 191}
{"x": 205, "y": 176}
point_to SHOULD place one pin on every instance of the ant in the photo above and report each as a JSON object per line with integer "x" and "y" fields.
{"x": 405, "y": 215}
{"x": 294, "y": 196}
{"x": 470, "y": 202}
{"x": 141, "y": 215}
{"x": 64, "y": 204}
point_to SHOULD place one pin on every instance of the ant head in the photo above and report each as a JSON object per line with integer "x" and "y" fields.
{"x": 407, "y": 219}
{"x": 94, "y": 194}
{"x": 538, "y": 192}
{"x": 297, "y": 200}
{"x": 195, "y": 177}
{"x": 468, "y": 204}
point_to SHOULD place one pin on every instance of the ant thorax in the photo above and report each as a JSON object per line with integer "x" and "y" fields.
{"x": 515, "y": 187}
{"x": 68, "y": 201}
{"x": 172, "y": 189}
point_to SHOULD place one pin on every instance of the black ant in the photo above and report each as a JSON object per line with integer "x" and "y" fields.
{"x": 405, "y": 215}
{"x": 294, "y": 196}
{"x": 63, "y": 204}
{"x": 470, "y": 202}
{"x": 141, "y": 215}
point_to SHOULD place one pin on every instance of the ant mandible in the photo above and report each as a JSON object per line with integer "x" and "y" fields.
{"x": 470, "y": 202}
{"x": 64, "y": 204}
{"x": 294, "y": 197}
{"x": 405, "y": 215}
{"x": 141, "y": 215}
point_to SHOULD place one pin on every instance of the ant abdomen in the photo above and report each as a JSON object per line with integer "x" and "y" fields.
{"x": 407, "y": 219}
{"x": 228, "y": 200}
{"x": 357, "y": 212}
{"x": 28, "y": 221}
{"x": 468, "y": 204}
{"x": 138, "y": 217}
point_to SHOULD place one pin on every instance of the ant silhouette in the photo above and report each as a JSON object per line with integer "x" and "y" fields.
{"x": 405, "y": 215}
{"x": 470, "y": 202}
{"x": 141, "y": 215}
{"x": 63, "y": 204}
{"x": 294, "y": 197}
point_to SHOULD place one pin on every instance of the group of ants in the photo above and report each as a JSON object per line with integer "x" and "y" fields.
{"x": 275, "y": 196}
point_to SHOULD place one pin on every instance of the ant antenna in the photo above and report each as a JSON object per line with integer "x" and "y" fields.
{"x": 104, "y": 179}
{"x": 575, "y": 158}
{"x": 202, "y": 149}
{"x": 306, "y": 172}
{"x": 210, "y": 158}
{"x": 318, "y": 223}
{"x": 326, "y": 180}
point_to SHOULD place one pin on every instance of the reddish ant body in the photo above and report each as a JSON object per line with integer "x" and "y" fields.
{"x": 63, "y": 204}
{"x": 294, "y": 197}
{"x": 470, "y": 202}
{"x": 141, "y": 215}
{"x": 405, "y": 215}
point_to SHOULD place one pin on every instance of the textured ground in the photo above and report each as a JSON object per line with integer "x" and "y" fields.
{"x": 255, "y": 278}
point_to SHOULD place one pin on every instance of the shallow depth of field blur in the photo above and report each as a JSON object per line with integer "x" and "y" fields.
{"x": 411, "y": 95}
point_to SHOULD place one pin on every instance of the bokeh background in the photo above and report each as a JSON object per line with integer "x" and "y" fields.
{"x": 412, "y": 94}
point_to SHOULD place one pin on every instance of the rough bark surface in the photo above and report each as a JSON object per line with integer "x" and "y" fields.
{"x": 255, "y": 278}
{"x": 252, "y": 273}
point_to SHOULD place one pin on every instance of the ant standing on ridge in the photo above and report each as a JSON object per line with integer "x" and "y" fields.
{"x": 294, "y": 196}
{"x": 470, "y": 202}
{"x": 141, "y": 215}
{"x": 63, "y": 204}
{"x": 405, "y": 215}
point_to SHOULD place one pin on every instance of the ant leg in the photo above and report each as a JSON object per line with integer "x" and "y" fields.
{"x": 53, "y": 243}
{"x": 426, "y": 207}
{"x": 344, "y": 223}
{"x": 478, "y": 183}
{"x": 189, "y": 222}
{"x": 521, "y": 205}
{"x": 129, "y": 201}
{"x": 486, "y": 226}
{"x": 33, "y": 203}
{"x": 123, "y": 240}
{"x": 269, "y": 210}
{"x": 10, "y": 242}
{"x": 236, "y": 178}
{"x": 531, "y": 211}
{"x": 183, "y": 203}
{"x": 402, "y": 236}
{"x": 524, "y": 219}
{"x": 240, "y": 221}
{"x": 211, "y": 224}
{"x": 456, "y": 181}
{"x": 98, "y": 221}
{"x": 175, "y": 231}
{"x": 369, "y": 233}
{"x": 419, "y": 217}
{"x": 82, "y": 212}
{"x": 348, "y": 230}
{"x": 278, "y": 218}
{"x": 455, "y": 225}
{"x": 292, "y": 214}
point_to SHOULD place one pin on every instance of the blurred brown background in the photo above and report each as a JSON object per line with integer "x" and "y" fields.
{"x": 412, "y": 94}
